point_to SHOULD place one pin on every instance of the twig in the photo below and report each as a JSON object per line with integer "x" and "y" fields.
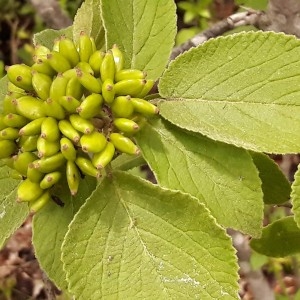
{"x": 52, "y": 14}
{"x": 250, "y": 17}
{"x": 49, "y": 287}
{"x": 258, "y": 284}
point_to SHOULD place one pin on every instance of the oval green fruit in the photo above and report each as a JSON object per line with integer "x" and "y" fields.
{"x": 32, "y": 128}
{"x": 67, "y": 149}
{"x": 108, "y": 68}
{"x": 93, "y": 142}
{"x": 20, "y": 75}
{"x": 85, "y": 47}
{"x": 73, "y": 177}
{"x": 90, "y": 106}
{"x": 28, "y": 191}
{"x": 69, "y": 131}
{"x": 126, "y": 125}
{"x": 86, "y": 166}
{"x": 22, "y": 160}
{"x": 50, "y": 164}
{"x": 15, "y": 120}
{"x": 30, "y": 107}
{"x": 50, "y": 130}
{"x": 101, "y": 159}
{"x": 41, "y": 84}
{"x": 7, "y": 148}
{"x": 124, "y": 144}
{"x": 118, "y": 57}
{"x": 39, "y": 203}
{"x": 50, "y": 179}
{"x": 68, "y": 49}
{"x": 81, "y": 124}
{"x": 122, "y": 107}
{"x": 58, "y": 62}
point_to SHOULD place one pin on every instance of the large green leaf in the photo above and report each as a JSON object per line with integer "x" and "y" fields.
{"x": 280, "y": 238}
{"x": 47, "y": 37}
{"x": 144, "y": 29}
{"x": 219, "y": 175}
{"x": 12, "y": 214}
{"x": 243, "y": 89}
{"x": 135, "y": 240}
{"x": 276, "y": 188}
{"x": 50, "y": 226}
{"x": 88, "y": 19}
{"x": 295, "y": 196}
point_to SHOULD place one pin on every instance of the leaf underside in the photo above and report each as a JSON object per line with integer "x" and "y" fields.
{"x": 276, "y": 188}
{"x": 280, "y": 238}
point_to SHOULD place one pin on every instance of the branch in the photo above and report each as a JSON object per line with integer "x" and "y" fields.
{"x": 250, "y": 17}
{"x": 283, "y": 15}
{"x": 258, "y": 284}
{"x": 51, "y": 13}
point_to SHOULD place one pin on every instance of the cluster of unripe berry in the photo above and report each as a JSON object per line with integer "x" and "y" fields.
{"x": 69, "y": 114}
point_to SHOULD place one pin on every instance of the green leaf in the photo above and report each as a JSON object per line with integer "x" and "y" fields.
{"x": 126, "y": 162}
{"x": 50, "y": 226}
{"x": 12, "y": 214}
{"x": 88, "y": 19}
{"x": 145, "y": 30}
{"x": 276, "y": 188}
{"x": 295, "y": 196}
{"x": 135, "y": 240}
{"x": 280, "y": 238}
{"x": 221, "y": 176}
{"x": 241, "y": 89}
{"x": 47, "y": 37}
{"x": 3, "y": 89}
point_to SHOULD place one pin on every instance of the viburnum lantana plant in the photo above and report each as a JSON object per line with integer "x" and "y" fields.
{"x": 77, "y": 125}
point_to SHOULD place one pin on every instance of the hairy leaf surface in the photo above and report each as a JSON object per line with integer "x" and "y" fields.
{"x": 144, "y": 29}
{"x": 47, "y": 36}
{"x": 135, "y": 240}
{"x": 221, "y": 176}
{"x": 50, "y": 226}
{"x": 279, "y": 239}
{"x": 295, "y": 196}
{"x": 276, "y": 188}
{"x": 243, "y": 89}
{"x": 12, "y": 214}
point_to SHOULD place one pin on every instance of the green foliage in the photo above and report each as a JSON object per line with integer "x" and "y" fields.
{"x": 195, "y": 164}
{"x": 124, "y": 237}
{"x": 235, "y": 91}
{"x": 276, "y": 188}
{"x": 147, "y": 35}
{"x": 279, "y": 239}
{"x": 142, "y": 241}
{"x": 51, "y": 225}
{"x": 12, "y": 214}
